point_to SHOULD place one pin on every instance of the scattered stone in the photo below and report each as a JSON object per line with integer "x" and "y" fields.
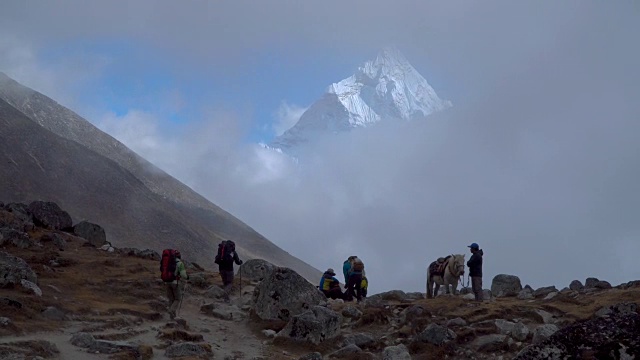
{"x": 398, "y": 352}
{"x": 352, "y": 312}
{"x": 284, "y": 294}
{"x": 622, "y": 308}
{"x": 491, "y": 343}
{"x": 591, "y": 282}
{"x": 83, "y": 340}
{"x": 611, "y": 337}
{"x": 516, "y": 330}
{"x": 53, "y": 313}
{"x": 199, "y": 280}
{"x": 315, "y": 326}
{"x": 223, "y": 311}
{"x": 11, "y": 302}
{"x": 49, "y": 215}
{"x": 31, "y": 287}
{"x": 550, "y": 295}
{"x": 345, "y": 351}
{"x": 545, "y": 317}
{"x": 215, "y": 292}
{"x": 13, "y": 270}
{"x": 269, "y": 333}
{"x": 603, "y": 285}
{"x": 256, "y": 269}
{"x": 143, "y": 254}
{"x": 544, "y": 291}
{"x": 576, "y": 285}
{"x": 93, "y": 233}
{"x": 311, "y": 356}
{"x": 393, "y": 295}
{"x": 362, "y": 340}
{"x": 487, "y": 294}
{"x": 457, "y": 322}
{"x": 525, "y": 294}
{"x": 436, "y": 334}
{"x": 469, "y": 296}
{"x": 188, "y": 349}
{"x": 505, "y": 285}
{"x": 414, "y": 296}
{"x": 17, "y": 238}
{"x": 543, "y": 332}
{"x": 5, "y": 321}
{"x": 413, "y": 313}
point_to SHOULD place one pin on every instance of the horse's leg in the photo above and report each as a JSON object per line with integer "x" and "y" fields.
{"x": 435, "y": 291}
{"x": 429, "y": 286}
{"x": 454, "y": 283}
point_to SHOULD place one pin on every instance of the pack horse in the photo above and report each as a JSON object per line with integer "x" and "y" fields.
{"x": 445, "y": 271}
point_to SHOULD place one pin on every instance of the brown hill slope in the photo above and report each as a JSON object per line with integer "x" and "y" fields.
{"x": 38, "y": 164}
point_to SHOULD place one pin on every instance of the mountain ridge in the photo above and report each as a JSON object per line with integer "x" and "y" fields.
{"x": 123, "y": 191}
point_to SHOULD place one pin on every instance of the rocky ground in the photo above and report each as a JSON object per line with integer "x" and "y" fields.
{"x": 65, "y": 294}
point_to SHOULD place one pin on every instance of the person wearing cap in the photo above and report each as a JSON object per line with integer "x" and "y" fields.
{"x": 330, "y": 286}
{"x": 475, "y": 270}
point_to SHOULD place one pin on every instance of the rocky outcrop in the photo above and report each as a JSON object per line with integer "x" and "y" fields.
{"x": 505, "y": 285}
{"x": 543, "y": 332}
{"x": 315, "y": 326}
{"x": 544, "y": 291}
{"x": 284, "y": 294}
{"x": 188, "y": 349}
{"x": 13, "y": 270}
{"x": 21, "y": 217}
{"x": 611, "y": 337}
{"x": 393, "y": 295}
{"x": 516, "y": 330}
{"x": 93, "y": 233}
{"x": 256, "y": 269}
{"x": 143, "y": 254}
{"x": 49, "y": 215}
{"x": 622, "y": 308}
{"x": 15, "y": 237}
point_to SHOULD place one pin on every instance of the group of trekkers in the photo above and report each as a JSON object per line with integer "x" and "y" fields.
{"x": 174, "y": 273}
{"x": 355, "y": 281}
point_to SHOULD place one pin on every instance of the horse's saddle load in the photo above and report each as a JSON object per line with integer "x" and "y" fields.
{"x": 437, "y": 267}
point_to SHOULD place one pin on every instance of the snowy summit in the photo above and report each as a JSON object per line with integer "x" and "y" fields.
{"x": 381, "y": 89}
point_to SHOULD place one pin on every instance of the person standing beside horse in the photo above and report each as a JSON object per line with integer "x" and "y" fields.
{"x": 475, "y": 270}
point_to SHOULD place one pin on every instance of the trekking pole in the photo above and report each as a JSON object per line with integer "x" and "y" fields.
{"x": 240, "y": 281}
{"x": 184, "y": 292}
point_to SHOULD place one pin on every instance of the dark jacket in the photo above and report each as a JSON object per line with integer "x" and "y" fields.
{"x": 228, "y": 265}
{"x": 475, "y": 264}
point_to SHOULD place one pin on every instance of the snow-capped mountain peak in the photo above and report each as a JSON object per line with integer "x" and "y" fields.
{"x": 388, "y": 87}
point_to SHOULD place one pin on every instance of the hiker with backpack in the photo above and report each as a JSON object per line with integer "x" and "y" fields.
{"x": 475, "y": 270}
{"x": 330, "y": 286}
{"x": 354, "y": 284}
{"x": 346, "y": 267}
{"x": 174, "y": 274}
{"x": 225, "y": 258}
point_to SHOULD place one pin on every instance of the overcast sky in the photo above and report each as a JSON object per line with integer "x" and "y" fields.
{"x": 538, "y": 160}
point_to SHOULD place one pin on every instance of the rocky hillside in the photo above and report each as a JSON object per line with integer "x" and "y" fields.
{"x": 66, "y": 297}
{"x": 50, "y": 153}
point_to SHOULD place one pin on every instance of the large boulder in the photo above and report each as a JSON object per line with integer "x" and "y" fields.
{"x": 21, "y": 217}
{"x": 49, "y": 215}
{"x": 544, "y": 291}
{"x": 284, "y": 294}
{"x": 16, "y": 237}
{"x": 93, "y": 233}
{"x": 611, "y": 337}
{"x": 13, "y": 270}
{"x": 576, "y": 285}
{"x": 436, "y": 334}
{"x": 256, "y": 269}
{"x": 392, "y": 295}
{"x": 315, "y": 326}
{"x": 543, "y": 332}
{"x": 505, "y": 285}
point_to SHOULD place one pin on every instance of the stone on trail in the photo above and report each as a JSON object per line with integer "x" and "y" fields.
{"x": 314, "y": 326}
{"x": 398, "y": 352}
{"x": 505, "y": 285}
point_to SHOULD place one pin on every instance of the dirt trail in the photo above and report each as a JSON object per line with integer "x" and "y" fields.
{"x": 229, "y": 339}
